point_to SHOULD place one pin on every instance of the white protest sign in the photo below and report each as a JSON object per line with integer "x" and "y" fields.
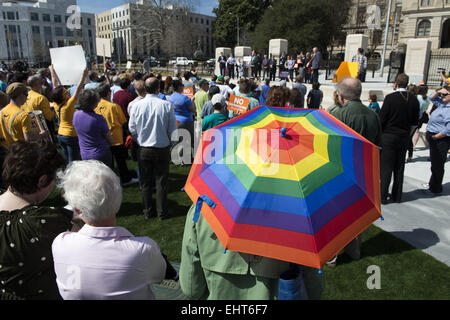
{"x": 128, "y": 65}
{"x": 103, "y": 47}
{"x": 69, "y": 64}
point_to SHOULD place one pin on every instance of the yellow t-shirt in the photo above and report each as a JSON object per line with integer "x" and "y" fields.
{"x": 14, "y": 124}
{"x": 114, "y": 117}
{"x": 37, "y": 101}
{"x": 65, "y": 114}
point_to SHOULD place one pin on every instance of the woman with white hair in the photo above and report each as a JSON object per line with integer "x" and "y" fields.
{"x": 102, "y": 261}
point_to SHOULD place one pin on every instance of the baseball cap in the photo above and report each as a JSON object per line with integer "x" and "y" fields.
{"x": 15, "y": 89}
{"x": 218, "y": 98}
{"x": 220, "y": 78}
{"x": 202, "y": 82}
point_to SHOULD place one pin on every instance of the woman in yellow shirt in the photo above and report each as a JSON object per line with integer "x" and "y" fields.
{"x": 65, "y": 108}
{"x": 15, "y": 123}
{"x": 116, "y": 119}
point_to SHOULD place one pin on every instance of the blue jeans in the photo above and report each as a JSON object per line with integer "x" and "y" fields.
{"x": 70, "y": 147}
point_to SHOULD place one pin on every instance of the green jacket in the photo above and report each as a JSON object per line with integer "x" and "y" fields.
{"x": 206, "y": 272}
{"x": 361, "y": 119}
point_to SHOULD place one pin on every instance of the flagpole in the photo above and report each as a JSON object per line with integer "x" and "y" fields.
{"x": 386, "y": 33}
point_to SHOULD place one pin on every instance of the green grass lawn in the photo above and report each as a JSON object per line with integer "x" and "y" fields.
{"x": 406, "y": 272}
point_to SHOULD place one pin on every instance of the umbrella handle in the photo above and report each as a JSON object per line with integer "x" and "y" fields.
{"x": 198, "y": 206}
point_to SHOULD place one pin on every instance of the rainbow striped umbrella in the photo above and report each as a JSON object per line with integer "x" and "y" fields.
{"x": 290, "y": 184}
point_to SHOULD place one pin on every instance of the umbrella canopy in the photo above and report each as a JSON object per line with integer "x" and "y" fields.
{"x": 290, "y": 184}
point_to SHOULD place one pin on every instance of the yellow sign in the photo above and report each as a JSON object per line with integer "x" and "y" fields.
{"x": 346, "y": 70}
{"x": 238, "y": 104}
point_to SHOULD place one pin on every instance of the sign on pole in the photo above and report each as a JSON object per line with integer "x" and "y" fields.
{"x": 69, "y": 64}
{"x": 103, "y": 47}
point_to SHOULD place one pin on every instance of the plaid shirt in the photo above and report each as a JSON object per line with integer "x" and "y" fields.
{"x": 362, "y": 60}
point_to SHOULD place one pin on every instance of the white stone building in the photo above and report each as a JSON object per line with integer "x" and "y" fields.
{"x": 131, "y": 42}
{"x": 28, "y": 29}
{"x": 409, "y": 19}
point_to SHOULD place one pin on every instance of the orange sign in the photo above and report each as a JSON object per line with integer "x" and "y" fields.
{"x": 189, "y": 92}
{"x": 238, "y": 104}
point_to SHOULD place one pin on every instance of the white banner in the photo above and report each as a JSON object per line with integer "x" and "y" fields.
{"x": 69, "y": 64}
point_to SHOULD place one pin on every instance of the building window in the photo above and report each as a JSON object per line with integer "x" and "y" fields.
{"x": 34, "y": 16}
{"x": 10, "y": 15}
{"x": 426, "y": 3}
{"x": 35, "y": 29}
{"x": 89, "y": 21}
{"x": 423, "y": 28}
{"x": 59, "y": 32}
{"x": 46, "y": 17}
{"x": 57, "y": 18}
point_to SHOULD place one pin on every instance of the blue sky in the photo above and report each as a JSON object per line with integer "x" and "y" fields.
{"x": 97, "y": 6}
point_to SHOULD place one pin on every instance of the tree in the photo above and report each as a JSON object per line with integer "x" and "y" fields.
{"x": 249, "y": 13}
{"x": 304, "y": 23}
{"x": 162, "y": 24}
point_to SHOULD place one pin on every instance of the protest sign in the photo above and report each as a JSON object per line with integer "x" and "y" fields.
{"x": 103, "y": 47}
{"x": 128, "y": 65}
{"x": 69, "y": 64}
{"x": 238, "y": 104}
{"x": 346, "y": 69}
{"x": 284, "y": 74}
{"x": 189, "y": 92}
{"x": 39, "y": 126}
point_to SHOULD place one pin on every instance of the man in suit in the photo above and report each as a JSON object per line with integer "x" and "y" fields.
{"x": 222, "y": 63}
{"x": 399, "y": 115}
{"x": 315, "y": 64}
{"x": 273, "y": 68}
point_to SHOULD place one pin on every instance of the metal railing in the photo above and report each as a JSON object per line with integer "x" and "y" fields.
{"x": 438, "y": 63}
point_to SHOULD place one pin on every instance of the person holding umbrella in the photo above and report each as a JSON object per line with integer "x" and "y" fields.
{"x": 215, "y": 275}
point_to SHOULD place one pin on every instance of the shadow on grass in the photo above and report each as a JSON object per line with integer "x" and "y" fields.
{"x": 384, "y": 243}
{"x": 135, "y": 209}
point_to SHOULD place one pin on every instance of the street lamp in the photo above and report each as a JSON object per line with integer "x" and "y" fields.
{"x": 386, "y": 33}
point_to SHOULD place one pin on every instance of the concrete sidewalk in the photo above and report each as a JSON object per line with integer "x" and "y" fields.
{"x": 421, "y": 220}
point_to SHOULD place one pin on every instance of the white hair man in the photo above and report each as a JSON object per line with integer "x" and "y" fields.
{"x": 102, "y": 261}
{"x": 364, "y": 121}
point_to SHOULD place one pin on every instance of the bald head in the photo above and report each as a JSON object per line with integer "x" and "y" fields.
{"x": 152, "y": 85}
{"x": 349, "y": 89}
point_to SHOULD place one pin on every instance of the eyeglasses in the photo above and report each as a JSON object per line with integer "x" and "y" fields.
{"x": 443, "y": 95}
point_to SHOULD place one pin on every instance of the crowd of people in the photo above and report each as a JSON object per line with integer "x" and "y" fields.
{"x": 266, "y": 66}
{"x": 94, "y": 127}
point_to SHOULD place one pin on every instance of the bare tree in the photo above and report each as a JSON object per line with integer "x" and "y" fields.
{"x": 158, "y": 23}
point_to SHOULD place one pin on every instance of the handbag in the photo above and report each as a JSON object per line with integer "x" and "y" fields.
{"x": 291, "y": 285}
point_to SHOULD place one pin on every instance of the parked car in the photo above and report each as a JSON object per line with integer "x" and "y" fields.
{"x": 182, "y": 61}
{"x": 211, "y": 63}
